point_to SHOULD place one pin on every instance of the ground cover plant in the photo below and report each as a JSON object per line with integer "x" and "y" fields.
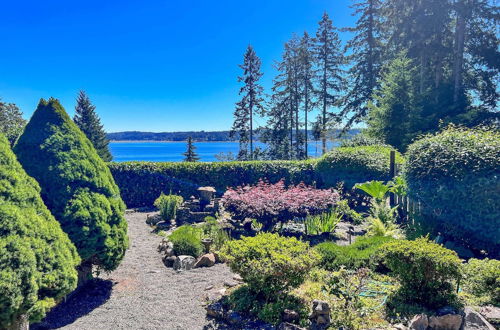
{"x": 187, "y": 241}
{"x": 168, "y": 204}
{"x": 481, "y": 278}
{"x": 37, "y": 259}
{"x": 322, "y": 223}
{"x": 76, "y": 186}
{"x": 267, "y": 202}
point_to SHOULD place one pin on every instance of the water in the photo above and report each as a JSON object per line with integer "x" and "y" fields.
{"x": 173, "y": 151}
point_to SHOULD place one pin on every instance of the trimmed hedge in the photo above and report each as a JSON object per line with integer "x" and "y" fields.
{"x": 456, "y": 175}
{"x": 37, "y": 259}
{"x": 142, "y": 182}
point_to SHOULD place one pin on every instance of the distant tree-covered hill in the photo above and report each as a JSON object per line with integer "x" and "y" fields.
{"x": 198, "y": 136}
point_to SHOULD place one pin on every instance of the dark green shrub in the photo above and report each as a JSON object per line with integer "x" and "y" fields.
{"x": 362, "y": 253}
{"x": 482, "y": 279}
{"x": 37, "y": 259}
{"x": 425, "y": 269}
{"x": 268, "y": 263}
{"x": 355, "y": 164}
{"x": 76, "y": 184}
{"x": 213, "y": 230}
{"x": 187, "y": 241}
{"x": 168, "y": 204}
{"x": 455, "y": 174}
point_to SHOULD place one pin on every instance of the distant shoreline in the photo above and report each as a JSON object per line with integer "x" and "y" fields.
{"x": 156, "y": 141}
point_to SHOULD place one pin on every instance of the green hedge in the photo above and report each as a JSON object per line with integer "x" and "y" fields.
{"x": 142, "y": 182}
{"x": 456, "y": 175}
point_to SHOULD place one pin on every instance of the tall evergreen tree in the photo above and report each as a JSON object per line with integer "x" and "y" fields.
{"x": 306, "y": 62}
{"x": 329, "y": 60}
{"x": 76, "y": 185}
{"x": 37, "y": 259}
{"x": 251, "y": 103}
{"x": 11, "y": 121}
{"x": 190, "y": 154}
{"x": 89, "y": 123}
{"x": 366, "y": 56}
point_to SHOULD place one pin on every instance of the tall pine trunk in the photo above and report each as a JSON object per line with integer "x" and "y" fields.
{"x": 306, "y": 109}
{"x": 459, "y": 51}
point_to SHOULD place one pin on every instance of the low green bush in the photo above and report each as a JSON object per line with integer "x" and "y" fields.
{"x": 482, "y": 279}
{"x": 455, "y": 175}
{"x": 425, "y": 270}
{"x": 322, "y": 223}
{"x": 362, "y": 253}
{"x": 355, "y": 164}
{"x": 212, "y": 229}
{"x": 187, "y": 241}
{"x": 270, "y": 264}
{"x": 168, "y": 204}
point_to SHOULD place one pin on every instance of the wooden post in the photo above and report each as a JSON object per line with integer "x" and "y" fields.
{"x": 392, "y": 174}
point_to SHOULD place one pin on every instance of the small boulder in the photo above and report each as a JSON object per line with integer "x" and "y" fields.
{"x": 206, "y": 260}
{"x": 216, "y": 310}
{"x": 169, "y": 260}
{"x": 184, "y": 263}
{"x": 491, "y": 313}
{"x": 475, "y": 321}
{"x": 288, "y": 326}
{"x": 419, "y": 322}
{"x": 445, "y": 322}
{"x": 290, "y": 316}
{"x": 234, "y": 318}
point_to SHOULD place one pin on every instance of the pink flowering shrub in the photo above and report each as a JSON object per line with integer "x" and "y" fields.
{"x": 265, "y": 201}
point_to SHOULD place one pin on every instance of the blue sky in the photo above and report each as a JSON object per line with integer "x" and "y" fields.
{"x": 147, "y": 65}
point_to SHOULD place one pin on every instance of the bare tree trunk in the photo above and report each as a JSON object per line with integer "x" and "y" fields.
{"x": 459, "y": 51}
{"x": 20, "y": 323}
{"x": 306, "y": 109}
{"x": 84, "y": 273}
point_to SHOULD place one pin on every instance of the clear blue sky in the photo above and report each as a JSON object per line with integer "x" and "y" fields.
{"x": 147, "y": 65}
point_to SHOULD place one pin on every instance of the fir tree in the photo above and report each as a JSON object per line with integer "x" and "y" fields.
{"x": 76, "y": 185}
{"x": 329, "y": 61}
{"x": 306, "y": 61}
{"x": 251, "y": 103}
{"x": 11, "y": 121}
{"x": 89, "y": 123}
{"x": 190, "y": 154}
{"x": 37, "y": 259}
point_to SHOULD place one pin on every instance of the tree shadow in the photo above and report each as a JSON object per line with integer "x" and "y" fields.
{"x": 78, "y": 304}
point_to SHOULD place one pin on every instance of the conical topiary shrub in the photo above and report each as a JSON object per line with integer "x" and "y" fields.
{"x": 77, "y": 186}
{"x": 37, "y": 259}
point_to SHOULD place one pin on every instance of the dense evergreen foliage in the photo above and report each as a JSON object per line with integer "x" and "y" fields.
{"x": 76, "y": 184}
{"x": 11, "y": 121}
{"x": 89, "y": 123}
{"x": 37, "y": 259}
{"x": 456, "y": 175}
{"x": 190, "y": 155}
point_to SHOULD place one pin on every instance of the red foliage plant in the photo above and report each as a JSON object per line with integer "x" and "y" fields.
{"x": 265, "y": 201}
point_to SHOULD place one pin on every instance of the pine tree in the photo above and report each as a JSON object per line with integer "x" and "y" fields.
{"x": 89, "y": 123}
{"x": 250, "y": 104}
{"x": 37, "y": 259}
{"x": 190, "y": 154}
{"x": 366, "y": 53}
{"x": 11, "y": 121}
{"x": 76, "y": 185}
{"x": 306, "y": 61}
{"x": 329, "y": 60}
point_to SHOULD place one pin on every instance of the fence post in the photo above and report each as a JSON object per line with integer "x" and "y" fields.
{"x": 392, "y": 174}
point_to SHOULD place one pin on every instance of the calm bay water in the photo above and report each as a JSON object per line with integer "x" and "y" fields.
{"x": 173, "y": 151}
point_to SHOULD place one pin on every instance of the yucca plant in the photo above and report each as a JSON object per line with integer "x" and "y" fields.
{"x": 322, "y": 223}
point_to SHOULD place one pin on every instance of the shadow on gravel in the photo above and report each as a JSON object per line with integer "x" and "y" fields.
{"x": 82, "y": 302}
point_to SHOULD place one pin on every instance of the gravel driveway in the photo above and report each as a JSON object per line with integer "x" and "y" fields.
{"x": 142, "y": 293}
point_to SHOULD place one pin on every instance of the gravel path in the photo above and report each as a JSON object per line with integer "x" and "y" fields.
{"x": 142, "y": 293}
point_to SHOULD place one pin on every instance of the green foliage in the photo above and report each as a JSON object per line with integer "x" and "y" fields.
{"x": 355, "y": 164}
{"x": 11, "y": 121}
{"x": 322, "y": 223}
{"x": 168, "y": 204}
{"x": 482, "y": 279}
{"x": 89, "y": 123}
{"x": 455, "y": 175}
{"x": 212, "y": 229}
{"x": 190, "y": 154}
{"x": 76, "y": 185}
{"x": 380, "y": 210}
{"x": 268, "y": 263}
{"x": 37, "y": 259}
{"x": 187, "y": 241}
{"x": 377, "y": 227}
{"x": 348, "y": 213}
{"x": 425, "y": 269}
{"x": 362, "y": 139}
{"x": 376, "y": 189}
{"x": 362, "y": 253}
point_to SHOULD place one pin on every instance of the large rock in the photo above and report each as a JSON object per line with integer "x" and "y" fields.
{"x": 475, "y": 321}
{"x": 419, "y": 322}
{"x": 491, "y": 313}
{"x": 289, "y": 326}
{"x": 445, "y": 322}
{"x": 206, "y": 260}
{"x": 320, "y": 315}
{"x": 184, "y": 263}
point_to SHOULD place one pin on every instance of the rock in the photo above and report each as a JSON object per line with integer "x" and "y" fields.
{"x": 399, "y": 326}
{"x": 210, "y": 287}
{"x": 230, "y": 283}
{"x": 237, "y": 278}
{"x": 206, "y": 260}
{"x": 419, "y": 322}
{"x": 320, "y": 315}
{"x": 163, "y": 246}
{"x": 184, "y": 262}
{"x": 216, "y": 310}
{"x": 445, "y": 322}
{"x": 290, "y": 316}
{"x": 234, "y": 318}
{"x": 258, "y": 324}
{"x": 475, "y": 321}
{"x": 288, "y": 326}
{"x": 152, "y": 220}
{"x": 446, "y": 310}
{"x": 169, "y": 252}
{"x": 169, "y": 261}
{"x": 491, "y": 313}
